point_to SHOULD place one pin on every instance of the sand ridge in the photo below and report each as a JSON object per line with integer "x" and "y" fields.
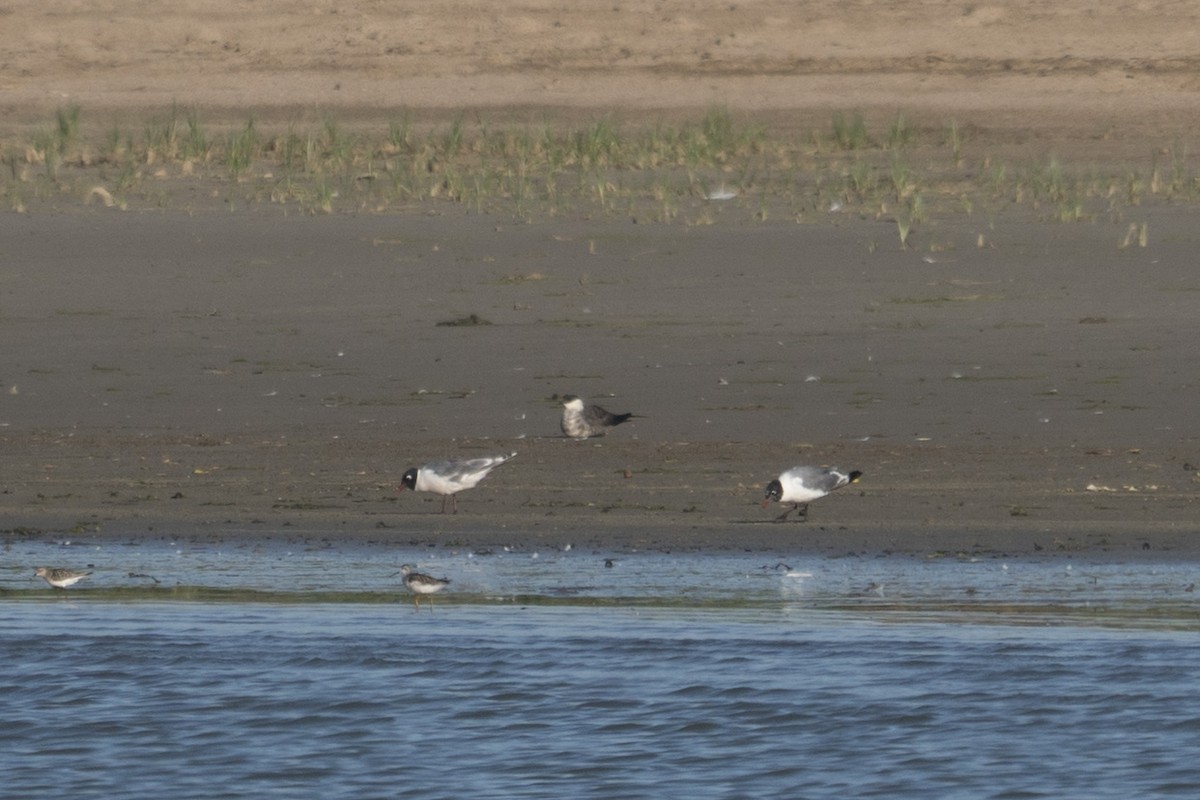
{"x": 1130, "y": 67}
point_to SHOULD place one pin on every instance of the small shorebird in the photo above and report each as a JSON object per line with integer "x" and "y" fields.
{"x": 450, "y": 477}
{"x": 801, "y": 485}
{"x": 419, "y": 583}
{"x": 581, "y": 421}
{"x": 60, "y": 578}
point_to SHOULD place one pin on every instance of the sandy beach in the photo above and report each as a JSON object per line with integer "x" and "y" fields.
{"x": 1008, "y": 384}
{"x": 1073, "y": 72}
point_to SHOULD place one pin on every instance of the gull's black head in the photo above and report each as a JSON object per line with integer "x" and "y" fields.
{"x": 409, "y": 481}
{"x": 774, "y": 490}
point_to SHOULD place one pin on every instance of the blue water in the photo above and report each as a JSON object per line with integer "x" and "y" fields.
{"x": 550, "y": 674}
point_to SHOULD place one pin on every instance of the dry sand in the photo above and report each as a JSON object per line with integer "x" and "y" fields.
{"x": 1068, "y": 70}
{"x": 214, "y": 374}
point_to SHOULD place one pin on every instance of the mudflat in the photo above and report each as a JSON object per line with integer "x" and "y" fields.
{"x": 1008, "y": 380}
{"x": 228, "y": 373}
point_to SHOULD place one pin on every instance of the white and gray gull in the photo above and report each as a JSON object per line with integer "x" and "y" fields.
{"x": 801, "y": 485}
{"x": 450, "y": 477}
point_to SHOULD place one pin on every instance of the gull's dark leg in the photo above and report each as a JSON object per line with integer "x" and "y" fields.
{"x": 802, "y": 508}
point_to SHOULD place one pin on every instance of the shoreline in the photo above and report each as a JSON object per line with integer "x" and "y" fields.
{"x": 627, "y": 500}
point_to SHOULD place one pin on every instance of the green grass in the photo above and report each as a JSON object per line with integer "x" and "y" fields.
{"x": 661, "y": 172}
{"x": 850, "y": 132}
{"x": 241, "y": 149}
{"x": 900, "y": 134}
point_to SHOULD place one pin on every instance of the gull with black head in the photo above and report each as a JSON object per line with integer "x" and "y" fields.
{"x": 802, "y": 485}
{"x": 451, "y": 476}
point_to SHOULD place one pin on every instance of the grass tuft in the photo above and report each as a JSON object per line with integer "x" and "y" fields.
{"x": 850, "y": 133}
{"x": 241, "y": 149}
{"x": 690, "y": 172}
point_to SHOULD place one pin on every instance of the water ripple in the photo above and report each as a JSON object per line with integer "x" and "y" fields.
{"x": 647, "y": 680}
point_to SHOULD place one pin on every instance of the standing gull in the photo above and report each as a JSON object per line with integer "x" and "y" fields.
{"x": 59, "y": 578}
{"x": 801, "y": 485}
{"x": 581, "y": 421}
{"x": 419, "y": 583}
{"x": 450, "y": 477}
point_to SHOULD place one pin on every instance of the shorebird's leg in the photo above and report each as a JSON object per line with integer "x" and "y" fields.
{"x": 803, "y": 509}
{"x": 444, "y": 503}
{"x": 454, "y": 504}
{"x": 785, "y": 513}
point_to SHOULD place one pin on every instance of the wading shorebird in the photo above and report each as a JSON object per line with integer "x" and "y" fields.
{"x": 419, "y": 583}
{"x": 60, "y": 578}
{"x": 450, "y": 477}
{"x": 801, "y": 485}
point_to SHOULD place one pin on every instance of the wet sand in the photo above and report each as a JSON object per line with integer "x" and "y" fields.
{"x": 224, "y": 375}
{"x": 195, "y": 370}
